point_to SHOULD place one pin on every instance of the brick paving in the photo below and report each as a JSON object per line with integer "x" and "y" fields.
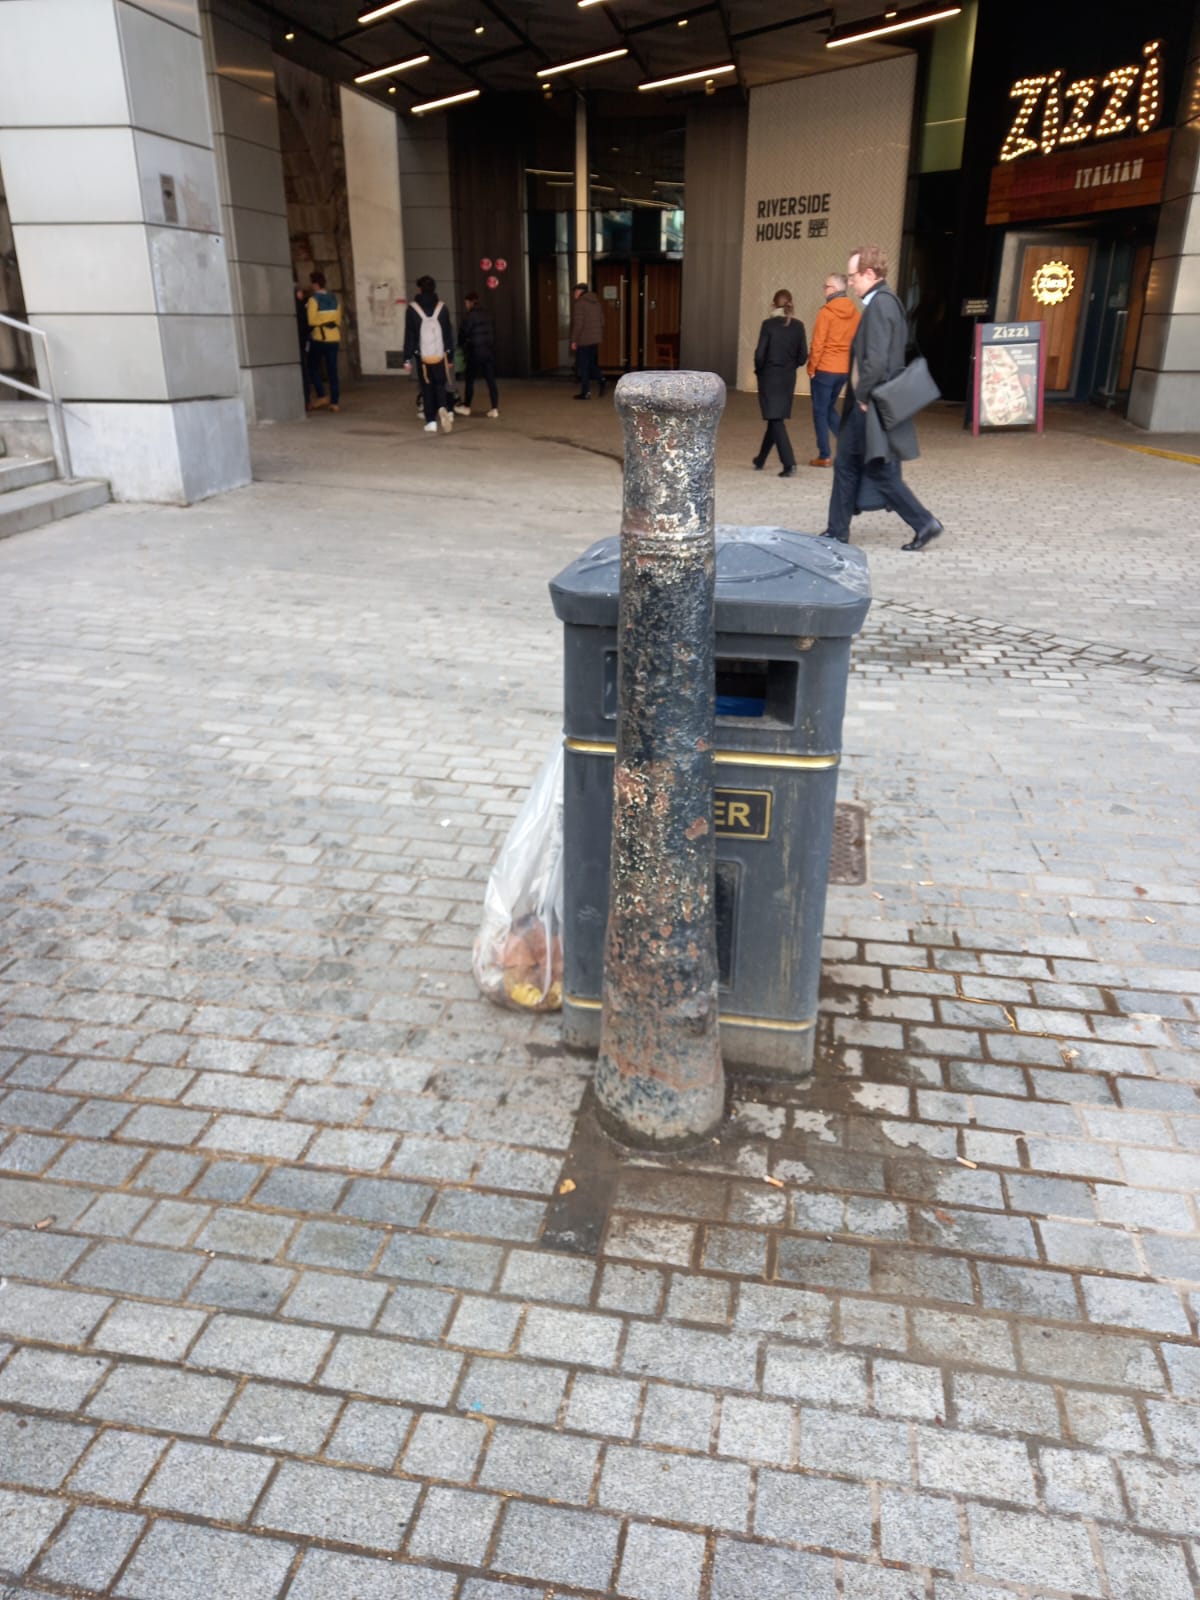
{"x": 279, "y": 1314}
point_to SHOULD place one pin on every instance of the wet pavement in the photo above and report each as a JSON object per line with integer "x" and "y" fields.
{"x": 291, "y": 1303}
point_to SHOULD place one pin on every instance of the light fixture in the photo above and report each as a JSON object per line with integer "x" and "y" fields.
{"x": 549, "y": 172}
{"x": 682, "y": 23}
{"x": 396, "y": 66}
{"x": 289, "y": 37}
{"x": 382, "y": 11}
{"x": 688, "y": 77}
{"x": 449, "y": 100}
{"x": 583, "y": 3}
{"x": 391, "y": 88}
{"x": 891, "y": 22}
{"x": 584, "y": 61}
{"x": 478, "y": 28}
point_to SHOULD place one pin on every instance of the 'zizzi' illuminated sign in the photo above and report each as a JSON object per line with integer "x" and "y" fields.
{"x": 1068, "y": 124}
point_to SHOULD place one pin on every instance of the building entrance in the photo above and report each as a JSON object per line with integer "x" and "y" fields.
{"x": 1088, "y": 290}
{"x": 642, "y": 302}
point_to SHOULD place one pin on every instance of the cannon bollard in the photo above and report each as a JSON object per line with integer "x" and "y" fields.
{"x": 659, "y": 1080}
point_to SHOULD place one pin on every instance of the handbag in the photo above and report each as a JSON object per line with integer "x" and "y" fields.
{"x": 900, "y": 398}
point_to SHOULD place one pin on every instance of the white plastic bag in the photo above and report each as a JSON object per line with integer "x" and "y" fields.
{"x": 518, "y": 953}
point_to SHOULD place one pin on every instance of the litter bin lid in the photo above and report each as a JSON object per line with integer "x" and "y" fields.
{"x": 769, "y": 580}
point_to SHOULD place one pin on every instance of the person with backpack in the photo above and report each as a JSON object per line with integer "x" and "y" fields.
{"x": 477, "y": 338}
{"x": 325, "y": 333}
{"x": 429, "y": 336}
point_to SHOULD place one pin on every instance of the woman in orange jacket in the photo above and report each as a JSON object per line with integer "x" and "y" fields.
{"x": 829, "y": 361}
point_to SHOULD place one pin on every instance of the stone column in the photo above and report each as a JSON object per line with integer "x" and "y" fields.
{"x": 241, "y": 91}
{"x": 107, "y": 150}
{"x": 1165, "y": 393}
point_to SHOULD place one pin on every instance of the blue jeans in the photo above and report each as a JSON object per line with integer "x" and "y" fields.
{"x": 325, "y": 364}
{"x": 826, "y": 386}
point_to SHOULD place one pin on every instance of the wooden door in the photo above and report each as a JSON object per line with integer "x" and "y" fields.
{"x": 545, "y": 313}
{"x": 612, "y": 286}
{"x": 1063, "y": 323}
{"x": 662, "y": 299}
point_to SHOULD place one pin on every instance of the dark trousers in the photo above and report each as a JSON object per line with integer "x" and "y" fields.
{"x": 851, "y": 467}
{"x": 433, "y": 388}
{"x": 777, "y": 435}
{"x": 325, "y": 360}
{"x": 482, "y": 368}
{"x": 826, "y": 386}
{"x": 588, "y": 361}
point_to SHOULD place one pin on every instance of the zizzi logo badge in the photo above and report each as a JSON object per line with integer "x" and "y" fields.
{"x": 1052, "y": 283}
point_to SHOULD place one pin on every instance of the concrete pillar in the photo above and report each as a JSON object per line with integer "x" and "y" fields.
{"x": 1165, "y": 393}
{"x": 241, "y": 89}
{"x": 107, "y": 150}
{"x": 583, "y": 213}
{"x": 376, "y": 230}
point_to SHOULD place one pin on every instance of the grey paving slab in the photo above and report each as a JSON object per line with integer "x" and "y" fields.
{"x": 91, "y": 1548}
{"x": 327, "y": 1503}
{"x": 392, "y": 1370}
{"x": 557, "y": 1546}
{"x": 200, "y": 1480}
{"x": 325, "y": 1573}
{"x": 166, "y": 1562}
{"x": 26, "y": 1522}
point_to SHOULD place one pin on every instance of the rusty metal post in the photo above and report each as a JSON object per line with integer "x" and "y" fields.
{"x": 658, "y": 1077}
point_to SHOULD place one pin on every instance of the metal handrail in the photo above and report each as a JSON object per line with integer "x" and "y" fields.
{"x": 41, "y": 356}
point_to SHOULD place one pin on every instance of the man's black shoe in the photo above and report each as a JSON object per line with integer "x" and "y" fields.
{"x": 581, "y": 397}
{"x": 842, "y": 538}
{"x": 788, "y": 472}
{"x": 926, "y": 536}
{"x": 756, "y": 464}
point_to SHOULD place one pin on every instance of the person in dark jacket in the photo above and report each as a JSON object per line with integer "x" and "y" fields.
{"x": 429, "y": 338}
{"x": 587, "y": 330}
{"x": 781, "y": 352}
{"x": 869, "y": 455}
{"x": 477, "y": 340}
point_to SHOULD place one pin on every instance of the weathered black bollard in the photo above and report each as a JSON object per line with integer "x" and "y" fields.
{"x": 658, "y": 1077}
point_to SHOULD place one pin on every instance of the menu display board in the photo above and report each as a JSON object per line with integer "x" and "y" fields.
{"x": 1010, "y": 359}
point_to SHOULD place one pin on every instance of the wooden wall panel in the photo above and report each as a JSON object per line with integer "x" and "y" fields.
{"x": 712, "y": 239}
{"x": 1061, "y": 323}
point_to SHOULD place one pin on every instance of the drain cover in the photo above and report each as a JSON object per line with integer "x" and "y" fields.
{"x": 848, "y": 860}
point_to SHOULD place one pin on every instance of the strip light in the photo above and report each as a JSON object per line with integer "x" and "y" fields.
{"x": 584, "y": 61}
{"x": 583, "y": 3}
{"x": 889, "y": 22}
{"x": 382, "y": 11}
{"x": 450, "y": 100}
{"x": 397, "y": 66}
{"x": 687, "y": 77}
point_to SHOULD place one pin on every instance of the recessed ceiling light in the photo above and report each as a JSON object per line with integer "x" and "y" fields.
{"x": 688, "y": 77}
{"x": 382, "y": 11}
{"x": 289, "y": 37}
{"x": 478, "y": 29}
{"x": 682, "y": 23}
{"x": 391, "y": 88}
{"x": 890, "y": 22}
{"x": 396, "y": 66}
{"x": 584, "y": 61}
{"x": 449, "y": 100}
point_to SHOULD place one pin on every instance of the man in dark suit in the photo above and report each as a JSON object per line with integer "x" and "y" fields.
{"x": 866, "y": 449}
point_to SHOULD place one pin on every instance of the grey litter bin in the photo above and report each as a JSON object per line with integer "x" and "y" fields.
{"x": 787, "y": 608}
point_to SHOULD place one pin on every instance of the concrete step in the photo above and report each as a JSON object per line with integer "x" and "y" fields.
{"x": 22, "y": 509}
{"x": 25, "y": 428}
{"x": 18, "y": 472}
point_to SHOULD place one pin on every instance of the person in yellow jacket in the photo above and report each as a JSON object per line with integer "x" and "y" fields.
{"x": 325, "y": 331}
{"x": 829, "y": 361}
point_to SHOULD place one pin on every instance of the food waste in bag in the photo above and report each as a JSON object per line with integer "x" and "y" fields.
{"x": 518, "y": 958}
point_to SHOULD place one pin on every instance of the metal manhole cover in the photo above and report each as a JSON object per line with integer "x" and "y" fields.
{"x": 848, "y": 860}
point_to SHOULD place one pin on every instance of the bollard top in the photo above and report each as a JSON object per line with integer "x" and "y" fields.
{"x": 769, "y": 581}
{"x": 669, "y": 391}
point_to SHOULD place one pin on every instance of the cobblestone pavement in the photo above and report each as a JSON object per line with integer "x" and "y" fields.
{"x": 277, "y": 1312}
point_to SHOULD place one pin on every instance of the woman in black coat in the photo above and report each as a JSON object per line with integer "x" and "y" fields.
{"x": 782, "y": 350}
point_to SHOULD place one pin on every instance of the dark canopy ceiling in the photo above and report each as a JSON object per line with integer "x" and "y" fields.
{"x": 497, "y": 46}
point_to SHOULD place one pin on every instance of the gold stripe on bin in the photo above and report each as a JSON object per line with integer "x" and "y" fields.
{"x": 723, "y": 758}
{"x": 766, "y": 1023}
